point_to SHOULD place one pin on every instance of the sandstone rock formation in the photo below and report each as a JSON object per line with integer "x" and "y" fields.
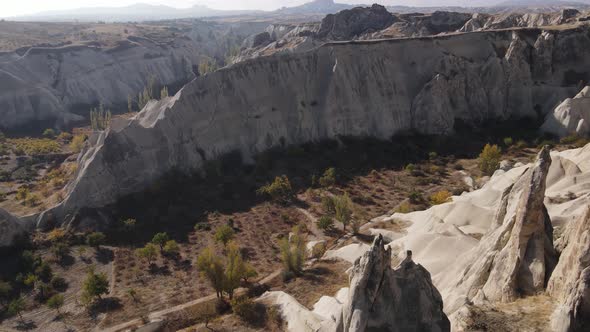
{"x": 517, "y": 256}
{"x": 572, "y": 117}
{"x": 570, "y": 281}
{"x": 10, "y": 229}
{"x": 322, "y": 94}
{"x": 385, "y": 299}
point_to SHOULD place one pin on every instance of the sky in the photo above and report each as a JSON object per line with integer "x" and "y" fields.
{"x": 24, "y": 7}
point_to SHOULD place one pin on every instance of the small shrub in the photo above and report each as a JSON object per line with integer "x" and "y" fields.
{"x": 202, "y": 226}
{"x": 95, "y": 239}
{"x": 22, "y": 193}
{"x": 404, "y": 207}
{"x": 78, "y": 143}
{"x": 325, "y": 223}
{"x": 328, "y": 205}
{"x": 279, "y": 190}
{"x": 94, "y": 286}
{"x": 440, "y": 197}
{"x": 521, "y": 144}
{"x": 416, "y": 197}
{"x": 245, "y": 308}
{"x": 60, "y": 250}
{"x": 432, "y": 155}
{"x": 329, "y": 178}
{"x": 32, "y": 200}
{"x": 148, "y": 252}
{"x": 34, "y": 146}
{"x": 489, "y": 159}
{"x": 49, "y": 133}
{"x": 224, "y": 234}
{"x": 171, "y": 247}
{"x": 318, "y": 250}
{"x": 56, "y": 302}
{"x": 508, "y": 141}
{"x": 64, "y": 136}
{"x": 58, "y": 283}
{"x": 410, "y": 168}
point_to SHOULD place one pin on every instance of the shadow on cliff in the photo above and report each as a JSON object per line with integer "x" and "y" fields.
{"x": 177, "y": 201}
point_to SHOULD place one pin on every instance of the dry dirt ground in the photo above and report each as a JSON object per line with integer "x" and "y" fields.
{"x": 373, "y": 174}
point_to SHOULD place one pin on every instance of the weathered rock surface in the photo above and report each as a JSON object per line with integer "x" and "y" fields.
{"x": 572, "y": 117}
{"x": 385, "y": 299}
{"x": 480, "y": 22}
{"x": 10, "y": 229}
{"x": 322, "y": 94}
{"x": 55, "y": 86}
{"x": 570, "y": 281}
{"x": 517, "y": 256}
{"x": 351, "y": 23}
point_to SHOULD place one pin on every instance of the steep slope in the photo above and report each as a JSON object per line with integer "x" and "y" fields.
{"x": 274, "y": 101}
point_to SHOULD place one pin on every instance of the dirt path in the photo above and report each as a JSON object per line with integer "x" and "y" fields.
{"x": 160, "y": 314}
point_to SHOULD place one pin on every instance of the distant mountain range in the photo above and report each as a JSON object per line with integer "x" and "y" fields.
{"x": 145, "y": 12}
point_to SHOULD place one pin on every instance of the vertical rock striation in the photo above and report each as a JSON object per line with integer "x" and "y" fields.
{"x": 386, "y": 299}
{"x": 570, "y": 281}
{"x": 517, "y": 256}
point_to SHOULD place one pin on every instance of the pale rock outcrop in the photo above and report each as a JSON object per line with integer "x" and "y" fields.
{"x": 385, "y": 299}
{"x": 570, "y": 282}
{"x": 571, "y": 117}
{"x": 517, "y": 256}
{"x": 10, "y": 229}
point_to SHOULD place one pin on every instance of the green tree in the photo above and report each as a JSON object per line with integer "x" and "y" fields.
{"x": 329, "y": 178}
{"x": 343, "y": 209}
{"x": 224, "y": 234}
{"x": 293, "y": 251}
{"x": 148, "y": 252}
{"x": 164, "y": 92}
{"x": 249, "y": 272}
{"x": 95, "y": 285}
{"x": 100, "y": 118}
{"x": 211, "y": 268}
{"x": 234, "y": 269}
{"x": 16, "y": 307}
{"x": 56, "y": 302}
{"x": 279, "y": 190}
{"x": 489, "y": 159}
{"x": 160, "y": 239}
{"x": 95, "y": 239}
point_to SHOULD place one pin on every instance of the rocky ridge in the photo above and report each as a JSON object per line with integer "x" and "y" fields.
{"x": 324, "y": 94}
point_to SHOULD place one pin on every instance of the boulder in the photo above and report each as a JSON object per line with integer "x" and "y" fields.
{"x": 385, "y": 299}
{"x": 571, "y": 117}
{"x": 570, "y": 282}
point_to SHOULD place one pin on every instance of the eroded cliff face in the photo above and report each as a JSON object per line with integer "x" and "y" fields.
{"x": 396, "y": 86}
{"x": 43, "y": 87}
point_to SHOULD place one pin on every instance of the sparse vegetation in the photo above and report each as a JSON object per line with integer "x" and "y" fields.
{"x": 100, "y": 118}
{"x": 148, "y": 252}
{"x": 329, "y": 178}
{"x": 325, "y": 223}
{"x": 34, "y": 146}
{"x": 171, "y": 247}
{"x": 224, "y": 234}
{"x": 489, "y": 159}
{"x": 56, "y": 302}
{"x": 508, "y": 141}
{"x": 343, "y": 209}
{"x": 440, "y": 197}
{"x": 95, "y": 285}
{"x": 211, "y": 268}
{"x": 95, "y": 239}
{"x": 160, "y": 240}
{"x": 78, "y": 143}
{"x": 279, "y": 190}
{"x": 293, "y": 252}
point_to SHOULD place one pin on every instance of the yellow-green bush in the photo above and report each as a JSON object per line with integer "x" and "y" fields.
{"x": 489, "y": 159}
{"x": 440, "y": 197}
{"x": 34, "y": 146}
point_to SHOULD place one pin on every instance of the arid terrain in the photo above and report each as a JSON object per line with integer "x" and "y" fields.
{"x": 316, "y": 168}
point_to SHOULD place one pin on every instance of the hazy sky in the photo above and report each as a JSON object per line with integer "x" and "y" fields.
{"x": 22, "y": 7}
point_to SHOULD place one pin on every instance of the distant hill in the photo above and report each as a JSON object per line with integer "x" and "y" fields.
{"x": 316, "y": 7}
